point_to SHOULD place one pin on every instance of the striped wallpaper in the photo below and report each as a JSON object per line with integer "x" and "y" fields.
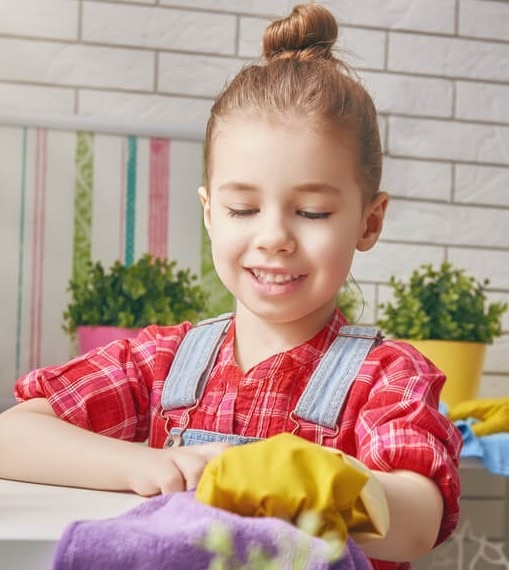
{"x": 69, "y": 197}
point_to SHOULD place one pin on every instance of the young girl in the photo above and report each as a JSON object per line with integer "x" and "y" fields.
{"x": 293, "y": 166}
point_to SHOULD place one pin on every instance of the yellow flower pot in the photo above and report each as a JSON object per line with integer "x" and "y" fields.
{"x": 462, "y": 362}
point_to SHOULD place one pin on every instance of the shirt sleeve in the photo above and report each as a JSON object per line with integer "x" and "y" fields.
{"x": 108, "y": 390}
{"x": 400, "y": 426}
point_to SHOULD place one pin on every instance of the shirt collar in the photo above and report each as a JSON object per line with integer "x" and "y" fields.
{"x": 309, "y": 350}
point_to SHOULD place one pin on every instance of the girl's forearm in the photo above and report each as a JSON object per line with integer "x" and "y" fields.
{"x": 415, "y": 509}
{"x": 37, "y": 446}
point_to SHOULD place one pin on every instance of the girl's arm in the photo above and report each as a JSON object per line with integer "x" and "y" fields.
{"x": 415, "y": 510}
{"x": 37, "y": 446}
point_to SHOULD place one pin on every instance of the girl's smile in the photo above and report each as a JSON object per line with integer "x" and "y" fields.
{"x": 276, "y": 282}
{"x": 279, "y": 278}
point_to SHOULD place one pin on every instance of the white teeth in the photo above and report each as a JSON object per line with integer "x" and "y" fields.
{"x": 277, "y": 278}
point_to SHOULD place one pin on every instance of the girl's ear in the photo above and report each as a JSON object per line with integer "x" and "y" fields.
{"x": 205, "y": 202}
{"x": 373, "y": 221}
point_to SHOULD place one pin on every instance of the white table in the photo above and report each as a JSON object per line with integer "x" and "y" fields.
{"x": 33, "y": 517}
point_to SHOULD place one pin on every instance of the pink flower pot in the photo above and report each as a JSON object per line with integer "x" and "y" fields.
{"x": 90, "y": 337}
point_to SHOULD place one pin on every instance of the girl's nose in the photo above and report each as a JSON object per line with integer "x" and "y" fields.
{"x": 274, "y": 235}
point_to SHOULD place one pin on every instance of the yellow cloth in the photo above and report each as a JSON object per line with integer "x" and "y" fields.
{"x": 285, "y": 476}
{"x": 492, "y": 414}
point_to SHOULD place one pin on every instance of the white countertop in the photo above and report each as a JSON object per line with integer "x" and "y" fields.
{"x": 33, "y": 517}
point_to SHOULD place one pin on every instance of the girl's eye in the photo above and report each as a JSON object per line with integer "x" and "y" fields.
{"x": 314, "y": 215}
{"x": 239, "y": 213}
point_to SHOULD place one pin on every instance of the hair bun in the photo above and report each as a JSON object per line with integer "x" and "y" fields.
{"x": 310, "y": 31}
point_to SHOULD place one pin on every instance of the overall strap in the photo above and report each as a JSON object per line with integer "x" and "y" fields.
{"x": 327, "y": 389}
{"x": 193, "y": 362}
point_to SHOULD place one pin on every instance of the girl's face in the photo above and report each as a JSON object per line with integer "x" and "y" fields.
{"x": 285, "y": 215}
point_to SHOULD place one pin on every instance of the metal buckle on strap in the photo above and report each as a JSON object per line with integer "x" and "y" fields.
{"x": 173, "y": 441}
{"x": 322, "y": 437}
{"x": 331, "y": 436}
{"x": 295, "y": 421}
{"x": 378, "y": 337}
{"x": 177, "y": 440}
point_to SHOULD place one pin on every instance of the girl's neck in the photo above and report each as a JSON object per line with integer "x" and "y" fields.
{"x": 257, "y": 339}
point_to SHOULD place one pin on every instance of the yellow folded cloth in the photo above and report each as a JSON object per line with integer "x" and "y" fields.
{"x": 285, "y": 476}
{"x": 492, "y": 414}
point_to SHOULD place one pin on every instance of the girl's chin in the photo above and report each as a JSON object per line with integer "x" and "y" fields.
{"x": 278, "y": 310}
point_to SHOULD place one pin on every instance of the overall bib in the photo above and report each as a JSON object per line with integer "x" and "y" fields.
{"x": 321, "y": 402}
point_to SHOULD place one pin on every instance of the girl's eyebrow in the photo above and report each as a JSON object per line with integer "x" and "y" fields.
{"x": 318, "y": 188}
{"x": 310, "y": 187}
{"x": 238, "y": 186}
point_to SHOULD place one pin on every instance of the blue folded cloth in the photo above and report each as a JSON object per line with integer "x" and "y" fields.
{"x": 169, "y": 531}
{"x": 492, "y": 450}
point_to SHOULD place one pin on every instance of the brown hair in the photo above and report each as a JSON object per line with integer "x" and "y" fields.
{"x": 300, "y": 74}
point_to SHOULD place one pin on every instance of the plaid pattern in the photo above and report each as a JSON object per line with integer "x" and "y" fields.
{"x": 390, "y": 420}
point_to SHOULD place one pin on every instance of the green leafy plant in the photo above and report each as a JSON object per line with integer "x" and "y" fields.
{"x": 350, "y": 300}
{"x": 149, "y": 291}
{"x": 441, "y": 304}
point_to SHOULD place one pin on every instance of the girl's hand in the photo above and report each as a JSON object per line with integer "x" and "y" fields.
{"x": 156, "y": 471}
{"x": 64, "y": 454}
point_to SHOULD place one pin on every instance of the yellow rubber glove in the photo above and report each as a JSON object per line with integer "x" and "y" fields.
{"x": 285, "y": 476}
{"x": 492, "y": 414}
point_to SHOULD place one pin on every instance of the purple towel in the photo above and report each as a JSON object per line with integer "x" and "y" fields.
{"x": 167, "y": 532}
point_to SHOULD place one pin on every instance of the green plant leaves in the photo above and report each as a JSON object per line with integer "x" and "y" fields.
{"x": 442, "y": 304}
{"x": 350, "y": 300}
{"x": 149, "y": 291}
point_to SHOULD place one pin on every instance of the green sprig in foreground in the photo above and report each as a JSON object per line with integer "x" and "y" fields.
{"x": 219, "y": 541}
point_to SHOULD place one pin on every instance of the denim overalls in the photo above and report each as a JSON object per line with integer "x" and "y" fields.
{"x": 320, "y": 403}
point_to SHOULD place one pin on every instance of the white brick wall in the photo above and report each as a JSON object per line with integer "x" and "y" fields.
{"x": 438, "y": 71}
{"x": 27, "y": 18}
{"x": 449, "y": 57}
{"x": 208, "y": 77}
{"x": 434, "y": 16}
{"x": 409, "y": 95}
{"x": 158, "y": 28}
{"x": 454, "y": 141}
{"x": 482, "y": 102}
{"x": 72, "y": 64}
{"x": 483, "y": 20}
{"x": 479, "y": 184}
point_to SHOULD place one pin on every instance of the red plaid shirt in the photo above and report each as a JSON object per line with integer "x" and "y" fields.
{"x": 390, "y": 420}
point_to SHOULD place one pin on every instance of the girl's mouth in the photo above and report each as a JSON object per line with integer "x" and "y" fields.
{"x": 274, "y": 278}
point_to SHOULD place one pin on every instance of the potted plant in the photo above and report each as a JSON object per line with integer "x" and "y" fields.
{"x": 117, "y": 302}
{"x": 445, "y": 314}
